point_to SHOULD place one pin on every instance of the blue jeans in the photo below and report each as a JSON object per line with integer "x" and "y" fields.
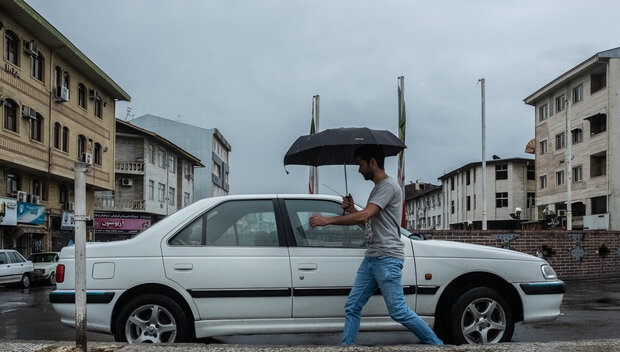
{"x": 385, "y": 273}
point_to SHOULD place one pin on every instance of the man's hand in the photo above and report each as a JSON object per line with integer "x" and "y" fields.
{"x": 347, "y": 204}
{"x": 318, "y": 220}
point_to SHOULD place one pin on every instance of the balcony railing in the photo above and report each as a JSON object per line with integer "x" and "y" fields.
{"x": 130, "y": 167}
{"x": 119, "y": 204}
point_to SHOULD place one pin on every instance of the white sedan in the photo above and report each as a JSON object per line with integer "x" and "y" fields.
{"x": 44, "y": 266}
{"x": 14, "y": 268}
{"x": 253, "y": 265}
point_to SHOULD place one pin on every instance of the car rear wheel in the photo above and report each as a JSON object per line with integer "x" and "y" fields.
{"x": 152, "y": 318}
{"x": 52, "y": 279}
{"x": 25, "y": 281}
{"x": 480, "y": 316}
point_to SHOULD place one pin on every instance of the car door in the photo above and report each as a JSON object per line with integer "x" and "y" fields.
{"x": 16, "y": 266}
{"x": 325, "y": 260}
{"x": 6, "y": 274}
{"x": 231, "y": 262}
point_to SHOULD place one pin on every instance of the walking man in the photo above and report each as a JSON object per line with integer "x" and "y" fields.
{"x": 383, "y": 262}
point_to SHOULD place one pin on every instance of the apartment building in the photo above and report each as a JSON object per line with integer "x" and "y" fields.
{"x": 58, "y": 108}
{"x": 510, "y": 194}
{"x": 154, "y": 178}
{"x": 576, "y": 117}
{"x": 208, "y": 144}
{"x": 423, "y": 206}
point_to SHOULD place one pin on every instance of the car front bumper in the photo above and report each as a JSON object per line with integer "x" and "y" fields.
{"x": 541, "y": 300}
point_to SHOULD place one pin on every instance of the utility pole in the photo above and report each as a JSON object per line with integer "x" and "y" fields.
{"x": 484, "y": 159}
{"x": 80, "y": 218}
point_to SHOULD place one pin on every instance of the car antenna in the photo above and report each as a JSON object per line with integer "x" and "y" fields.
{"x": 333, "y": 190}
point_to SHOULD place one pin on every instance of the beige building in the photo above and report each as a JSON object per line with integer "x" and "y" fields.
{"x": 510, "y": 189}
{"x": 154, "y": 178}
{"x": 577, "y": 136}
{"x": 58, "y": 108}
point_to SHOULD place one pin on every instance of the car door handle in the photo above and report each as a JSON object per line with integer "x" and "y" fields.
{"x": 183, "y": 266}
{"x": 307, "y": 267}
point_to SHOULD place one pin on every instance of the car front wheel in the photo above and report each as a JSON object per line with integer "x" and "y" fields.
{"x": 25, "y": 281}
{"x": 152, "y": 318}
{"x": 481, "y": 316}
{"x": 52, "y": 279}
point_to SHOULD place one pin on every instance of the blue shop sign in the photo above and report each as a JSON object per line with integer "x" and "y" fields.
{"x": 28, "y": 213}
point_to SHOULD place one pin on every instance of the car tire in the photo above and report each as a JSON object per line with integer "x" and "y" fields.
{"x": 152, "y": 318}
{"x": 25, "y": 282}
{"x": 479, "y": 316}
{"x": 52, "y": 279}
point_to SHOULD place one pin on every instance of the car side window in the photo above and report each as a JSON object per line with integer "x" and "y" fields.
{"x": 233, "y": 223}
{"x": 3, "y": 259}
{"x": 300, "y": 211}
{"x": 14, "y": 258}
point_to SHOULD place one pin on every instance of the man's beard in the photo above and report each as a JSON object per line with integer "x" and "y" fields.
{"x": 368, "y": 175}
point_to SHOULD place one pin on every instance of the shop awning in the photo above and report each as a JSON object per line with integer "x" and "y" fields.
{"x": 26, "y": 229}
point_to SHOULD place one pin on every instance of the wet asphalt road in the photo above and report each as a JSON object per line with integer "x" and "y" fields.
{"x": 591, "y": 311}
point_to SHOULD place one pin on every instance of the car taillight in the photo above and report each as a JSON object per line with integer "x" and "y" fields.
{"x": 60, "y": 273}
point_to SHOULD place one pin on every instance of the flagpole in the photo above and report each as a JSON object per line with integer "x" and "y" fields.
{"x": 402, "y": 129}
{"x": 316, "y": 172}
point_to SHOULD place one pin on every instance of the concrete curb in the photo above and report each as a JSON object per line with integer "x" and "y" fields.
{"x": 67, "y": 346}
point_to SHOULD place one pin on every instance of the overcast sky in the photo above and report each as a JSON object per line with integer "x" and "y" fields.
{"x": 250, "y": 69}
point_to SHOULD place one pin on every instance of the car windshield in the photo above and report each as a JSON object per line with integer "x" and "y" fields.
{"x": 43, "y": 258}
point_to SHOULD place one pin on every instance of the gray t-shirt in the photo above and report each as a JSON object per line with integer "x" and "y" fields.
{"x": 383, "y": 229}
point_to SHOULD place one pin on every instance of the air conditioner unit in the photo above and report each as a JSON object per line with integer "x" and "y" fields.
{"x": 94, "y": 95}
{"x": 62, "y": 94}
{"x": 29, "y": 112}
{"x": 127, "y": 182}
{"x": 562, "y": 212}
{"x": 87, "y": 158}
{"x": 69, "y": 206}
{"x": 31, "y": 48}
{"x": 34, "y": 199}
{"x": 22, "y": 196}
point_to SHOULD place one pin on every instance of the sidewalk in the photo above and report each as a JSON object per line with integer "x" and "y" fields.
{"x": 50, "y": 346}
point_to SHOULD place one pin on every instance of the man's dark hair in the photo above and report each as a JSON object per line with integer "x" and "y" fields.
{"x": 371, "y": 151}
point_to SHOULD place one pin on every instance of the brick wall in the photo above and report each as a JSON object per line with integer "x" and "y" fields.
{"x": 573, "y": 254}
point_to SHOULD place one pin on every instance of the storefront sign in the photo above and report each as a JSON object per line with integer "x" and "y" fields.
{"x": 121, "y": 223}
{"x": 8, "y": 212}
{"x": 28, "y": 213}
{"x": 67, "y": 222}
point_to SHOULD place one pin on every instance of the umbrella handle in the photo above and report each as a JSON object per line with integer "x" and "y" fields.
{"x": 346, "y": 185}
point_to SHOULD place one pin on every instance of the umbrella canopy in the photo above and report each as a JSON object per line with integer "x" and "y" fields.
{"x": 336, "y": 146}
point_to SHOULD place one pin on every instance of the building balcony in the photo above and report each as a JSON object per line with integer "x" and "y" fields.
{"x": 112, "y": 204}
{"x": 130, "y": 167}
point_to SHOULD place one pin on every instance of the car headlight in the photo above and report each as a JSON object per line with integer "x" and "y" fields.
{"x": 548, "y": 272}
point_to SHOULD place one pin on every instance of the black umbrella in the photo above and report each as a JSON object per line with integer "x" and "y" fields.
{"x": 336, "y": 146}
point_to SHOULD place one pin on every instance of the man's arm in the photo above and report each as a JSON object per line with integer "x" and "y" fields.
{"x": 355, "y": 218}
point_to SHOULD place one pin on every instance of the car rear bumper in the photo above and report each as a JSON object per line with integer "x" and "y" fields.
{"x": 99, "y": 307}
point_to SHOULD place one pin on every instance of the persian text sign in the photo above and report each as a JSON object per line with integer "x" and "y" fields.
{"x": 121, "y": 223}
